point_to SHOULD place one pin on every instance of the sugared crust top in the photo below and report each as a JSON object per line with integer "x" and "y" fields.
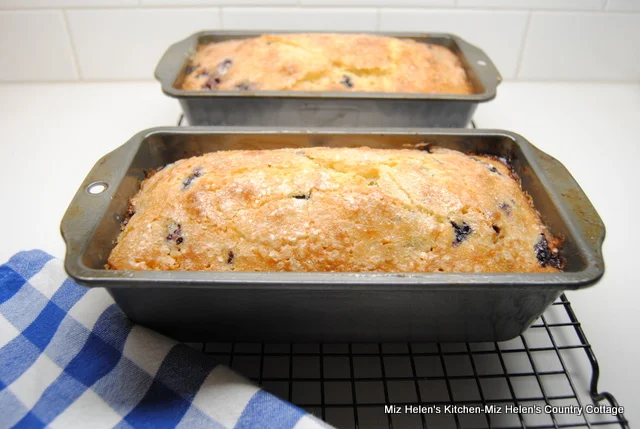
{"x": 335, "y": 209}
{"x": 327, "y": 62}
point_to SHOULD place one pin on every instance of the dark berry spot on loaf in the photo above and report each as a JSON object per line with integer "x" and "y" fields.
{"x": 148, "y": 172}
{"x": 347, "y": 81}
{"x": 302, "y": 196}
{"x": 189, "y": 70}
{"x": 127, "y": 216}
{"x": 224, "y": 66}
{"x": 230, "y": 257}
{"x": 187, "y": 182}
{"x": 175, "y": 233}
{"x": 245, "y": 86}
{"x": 461, "y": 232}
{"x": 212, "y": 83}
{"x": 490, "y": 167}
{"x": 545, "y": 255}
{"x": 496, "y": 228}
{"x": 505, "y": 208}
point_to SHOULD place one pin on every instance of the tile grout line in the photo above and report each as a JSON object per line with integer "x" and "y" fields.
{"x": 74, "y": 53}
{"x": 527, "y": 28}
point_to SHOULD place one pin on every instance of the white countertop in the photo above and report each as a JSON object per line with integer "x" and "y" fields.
{"x": 52, "y": 134}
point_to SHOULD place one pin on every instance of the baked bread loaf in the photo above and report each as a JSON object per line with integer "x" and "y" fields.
{"x": 326, "y": 62}
{"x": 335, "y": 209}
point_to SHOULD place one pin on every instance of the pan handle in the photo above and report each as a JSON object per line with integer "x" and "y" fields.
{"x": 576, "y": 201}
{"x": 482, "y": 65}
{"x": 173, "y": 61}
{"x": 92, "y": 201}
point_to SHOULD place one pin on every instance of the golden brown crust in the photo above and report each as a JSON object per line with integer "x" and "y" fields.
{"x": 335, "y": 209}
{"x": 327, "y": 62}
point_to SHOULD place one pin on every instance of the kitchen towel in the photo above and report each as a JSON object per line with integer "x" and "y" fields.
{"x": 69, "y": 358}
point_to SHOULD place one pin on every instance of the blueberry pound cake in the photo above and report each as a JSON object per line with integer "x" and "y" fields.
{"x": 335, "y": 209}
{"x": 326, "y": 62}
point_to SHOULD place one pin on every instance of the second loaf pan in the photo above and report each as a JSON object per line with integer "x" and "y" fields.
{"x": 285, "y": 306}
{"x": 328, "y": 109}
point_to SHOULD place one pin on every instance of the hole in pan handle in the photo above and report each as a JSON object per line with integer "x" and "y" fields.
{"x": 97, "y": 188}
{"x": 92, "y": 201}
{"x": 483, "y": 66}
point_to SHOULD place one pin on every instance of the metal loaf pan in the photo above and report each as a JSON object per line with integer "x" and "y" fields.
{"x": 284, "y": 306}
{"x": 331, "y": 108}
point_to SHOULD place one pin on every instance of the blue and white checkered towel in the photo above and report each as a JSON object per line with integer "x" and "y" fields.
{"x": 69, "y": 358}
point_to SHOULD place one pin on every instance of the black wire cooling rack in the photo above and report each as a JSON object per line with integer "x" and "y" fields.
{"x": 349, "y": 385}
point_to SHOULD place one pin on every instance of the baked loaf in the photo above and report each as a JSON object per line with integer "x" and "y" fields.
{"x": 335, "y": 209}
{"x": 326, "y": 62}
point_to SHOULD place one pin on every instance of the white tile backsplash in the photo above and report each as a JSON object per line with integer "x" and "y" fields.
{"x": 381, "y": 3}
{"x": 176, "y": 2}
{"x": 624, "y": 5}
{"x": 54, "y": 4}
{"x": 300, "y": 19}
{"x": 218, "y": 2}
{"x": 127, "y": 44}
{"x": 35, "y": 47}
{"x": 582, "y": 46}
{"x": 536, "y": 4}
{"x": 499, "y": 34}
{"x": 124, "y": 39}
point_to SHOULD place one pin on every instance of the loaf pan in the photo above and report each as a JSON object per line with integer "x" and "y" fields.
{"x": 330, "y": 108}
{"x": 285, "y": 306}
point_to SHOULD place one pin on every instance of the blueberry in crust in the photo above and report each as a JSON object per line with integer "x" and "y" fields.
{"x": 175, "y": 233}
{"x": 547, "y": 256}
{"x": 224, "y": 66}
{"x": 127, "y": 216}
{"x": 346, "y": 81}
{"x": 461, "y": 232}
{"x": 189, "y": 180}
{"x": 506, "y": 208}
{"x": 245, "y": 86}
{"x": 212, "y": 82}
